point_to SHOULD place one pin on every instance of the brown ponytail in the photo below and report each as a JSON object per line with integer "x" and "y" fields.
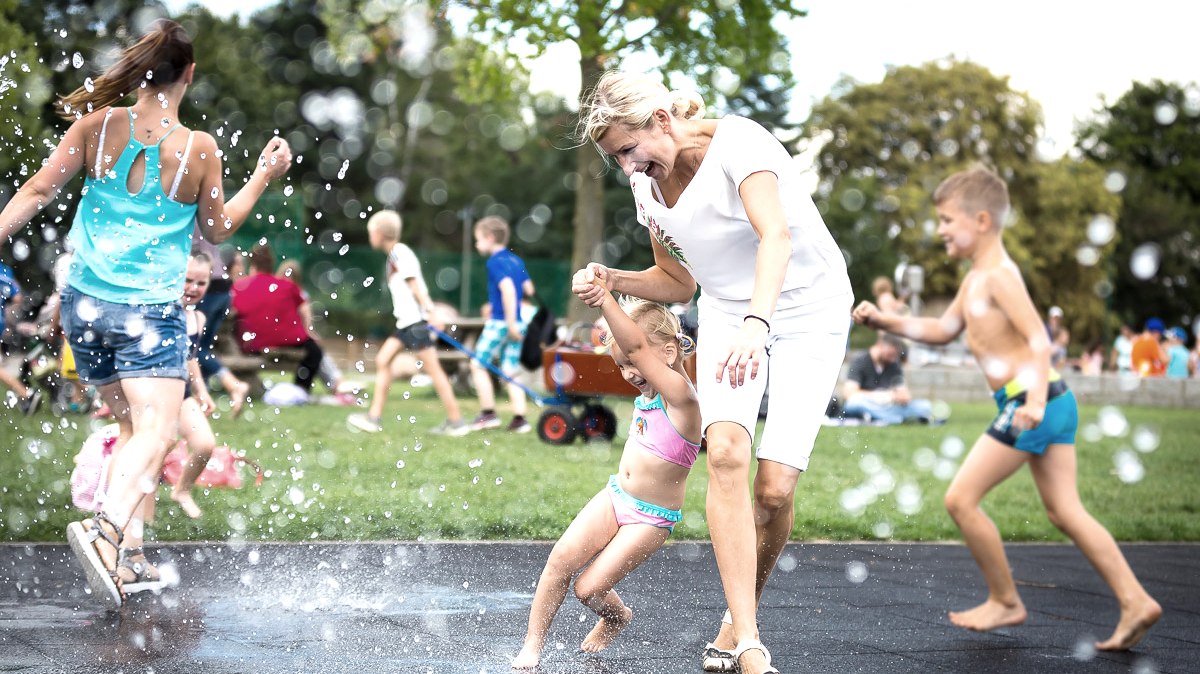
{"x": 157, "y": 60}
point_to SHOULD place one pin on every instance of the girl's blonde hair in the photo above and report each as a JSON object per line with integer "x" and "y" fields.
{"x": 629, "y": 100}
{"x": 657, "y": 321}
{"x": 158, "y": 59}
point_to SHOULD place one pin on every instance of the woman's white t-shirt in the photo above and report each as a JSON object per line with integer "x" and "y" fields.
{"x": 709, "y": 233}
{"x": 402, "y": 264}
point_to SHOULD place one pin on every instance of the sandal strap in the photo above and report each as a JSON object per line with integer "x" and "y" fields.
{"x": 751, "y": 645}
{"x": 99, "y": 530}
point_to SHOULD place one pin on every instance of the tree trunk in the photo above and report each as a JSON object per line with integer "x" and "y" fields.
{"x": 589, "y": 202}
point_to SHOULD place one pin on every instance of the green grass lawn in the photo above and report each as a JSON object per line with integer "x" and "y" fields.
{"x": 325, "y": 482}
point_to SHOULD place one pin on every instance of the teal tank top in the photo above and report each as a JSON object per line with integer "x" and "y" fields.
{"x": 131, "y": 248}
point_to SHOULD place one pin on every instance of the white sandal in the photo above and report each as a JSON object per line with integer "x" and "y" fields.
{"x": 717, "y": 659}
{"x": 753, "y": 645}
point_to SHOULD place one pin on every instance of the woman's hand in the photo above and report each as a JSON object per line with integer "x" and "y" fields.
{"x": 275, "y": 160}
{"x": 592, "y": 284}
{"x": 744, "y": 352}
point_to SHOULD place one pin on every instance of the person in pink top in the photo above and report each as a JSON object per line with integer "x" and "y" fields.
{"x": 632, "y": 516}
{"x": 273, "y": 312}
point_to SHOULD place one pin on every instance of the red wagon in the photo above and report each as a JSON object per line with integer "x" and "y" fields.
{"x": 580, "y": 376}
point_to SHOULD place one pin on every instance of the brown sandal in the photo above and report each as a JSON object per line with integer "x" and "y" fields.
{"x": 104, "y": 582}
{"x": 136, "y": 573}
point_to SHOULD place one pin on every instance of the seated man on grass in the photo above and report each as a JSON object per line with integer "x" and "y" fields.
{"x": 875, "y": 390}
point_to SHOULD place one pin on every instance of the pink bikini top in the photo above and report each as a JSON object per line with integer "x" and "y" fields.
{"x": 652, "y": 431}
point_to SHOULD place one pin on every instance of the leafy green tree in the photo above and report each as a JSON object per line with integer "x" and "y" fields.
{"x": 720, "y": 44}
{"x": 1149, "y": 140}
{"x": 882, "y": 148}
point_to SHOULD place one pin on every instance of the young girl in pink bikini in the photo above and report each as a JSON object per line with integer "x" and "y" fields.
{"x": 633, "y": 515}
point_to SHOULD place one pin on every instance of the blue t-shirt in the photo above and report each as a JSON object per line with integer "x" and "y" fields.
{"x": 501, "y": 265}
{"x": 1177, "y": 363}
{"x": 9, "y": 288}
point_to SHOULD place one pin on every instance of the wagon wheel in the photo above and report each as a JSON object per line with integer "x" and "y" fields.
{"x": 597, "y": 422}
{"x": 557, "y": 426}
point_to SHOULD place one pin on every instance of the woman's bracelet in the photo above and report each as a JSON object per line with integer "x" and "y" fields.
{"x": 757, "y": 318}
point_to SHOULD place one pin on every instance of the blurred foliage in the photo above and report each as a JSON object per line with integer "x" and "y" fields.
{"x": 884, "y": 147}
{"x": 50, "y": 46}
{"x": 1149, "y": 139}
{"x": 687, "y": 38}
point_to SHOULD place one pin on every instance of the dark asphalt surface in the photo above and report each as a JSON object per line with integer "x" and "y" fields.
{"x": 462, "y": 607}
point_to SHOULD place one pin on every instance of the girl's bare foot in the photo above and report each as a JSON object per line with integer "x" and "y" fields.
{"x": 186, "y": 502}
{"x": 1134, "y": 623}
{"x": 990, "y": 615}
{"x": 237, "y": 398}
{"x": 527, "y": 658}
{"x": 605, "y": 631}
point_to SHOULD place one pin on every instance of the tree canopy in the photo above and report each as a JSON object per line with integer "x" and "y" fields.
{"x": 882, "y": 148}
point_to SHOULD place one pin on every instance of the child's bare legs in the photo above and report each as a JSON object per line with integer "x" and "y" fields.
{"x": 8, "y": 379}
{"x": 987, "y": 465}
{"x": 516, "y": 396}
{"x": 197, "y": 433}
{"x": 587, "y": 535}
{"x": 147, "y": 409}
{"x": 383, "y": 375}
{"x": 632, "y": 545}
{"x": 236, "y": 388}
{"x": 441, "y": 382}
{"x": 1054, "y": 473}
{"x": 483, "y": 386}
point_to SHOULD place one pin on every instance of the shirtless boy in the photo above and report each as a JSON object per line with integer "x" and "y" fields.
{"x": 1038, "y": 415}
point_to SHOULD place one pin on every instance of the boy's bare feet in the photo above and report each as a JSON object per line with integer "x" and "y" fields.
{"x": 990, "y": 615}
{"x": 527, "y": 658}
{"x": 186, "y": 502}
{"x": 605, "y": 631}
{"x": 1135, "y": 622}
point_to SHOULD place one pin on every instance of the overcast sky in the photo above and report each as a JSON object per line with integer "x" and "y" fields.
{"x": 1063, "y": 53}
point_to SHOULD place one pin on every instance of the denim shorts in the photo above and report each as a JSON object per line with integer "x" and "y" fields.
{"x": 124, "y": 341}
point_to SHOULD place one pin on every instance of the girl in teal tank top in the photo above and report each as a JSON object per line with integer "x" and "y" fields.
{"x": 146, "y": 187}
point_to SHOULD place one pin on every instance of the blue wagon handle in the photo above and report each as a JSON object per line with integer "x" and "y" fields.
{"x": 536, "y": 397}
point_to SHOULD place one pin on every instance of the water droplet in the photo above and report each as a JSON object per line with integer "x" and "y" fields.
{"x": 1085, "y": 648}
{"x": 1144, "y": 260}
{"x": 499, "y": 481}
{"x": 1165, "y": 113}
{"x": 856, "y": 572}
{"x": 953, "y": 447}
{"x": 1145, "y": 439}
{"x": 787, "y": 563}
{"x": 77, "y": 60}
{"x": 475, "y": 463}
{"x": 342, "y": 171}
{"x": 1129, "y": 467}
{"x": 1115, "y": 182}
{"x": 1113, "y": 422}
{"x": 287, "y": 190}
{"x": 400, "y": 463}
{"x": 89, "y": 85}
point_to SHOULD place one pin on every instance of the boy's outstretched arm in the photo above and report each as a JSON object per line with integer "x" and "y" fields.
{"x": 941, "y": 330}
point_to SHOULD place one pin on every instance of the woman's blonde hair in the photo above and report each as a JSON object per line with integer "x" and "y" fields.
{"x": 158, "y": 59}
{"x": 657, "y": 321}
{"x": 629, "y": 100}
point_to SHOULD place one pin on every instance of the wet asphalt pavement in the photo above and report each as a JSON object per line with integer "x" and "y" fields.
{"x": 462, "y": 607}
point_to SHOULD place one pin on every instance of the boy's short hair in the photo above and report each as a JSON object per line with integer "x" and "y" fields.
{"x": 387, "y": 222}
{"x": 494, "y": 226}
{"x": 976, "y": 189}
